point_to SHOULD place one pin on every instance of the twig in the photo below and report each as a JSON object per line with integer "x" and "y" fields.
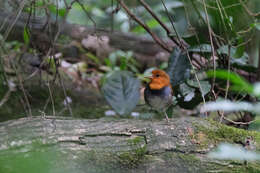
{"x": 51, "y": 97}
{"x": 228, "y": 83}
{"x": 154, "y": 36}
{"x": 237, "y": 123}
{"x": 65, "y": 94}
{"x": 87, "y": 14}
{"x": 169, "y": 33}
{"x": 258, "y": 68}
{"x": 25, "y": 95}
{"x": 5, "y": 98}
{"x": 248, "y": 11}
{"x": 212, "y": 46}
{"x": 16, "y": 18}
{"x": 182, "y": 44}
{"x": 112, "y": 17}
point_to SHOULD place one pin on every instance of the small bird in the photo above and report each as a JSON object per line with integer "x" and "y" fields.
{"x": 158, "y": 93}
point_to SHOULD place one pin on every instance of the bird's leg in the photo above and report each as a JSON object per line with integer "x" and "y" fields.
{"x": 166, "y": 116}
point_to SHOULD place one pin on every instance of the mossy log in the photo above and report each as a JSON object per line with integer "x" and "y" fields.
{"x": 118, "y": 145}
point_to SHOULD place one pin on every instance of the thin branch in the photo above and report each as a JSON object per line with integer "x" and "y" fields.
{"x": 87, "y": 14}
{"x": 169, "y": 33}
{"x": 237, "y": 123}
{"x": 182, "y": 44}
{"x": 212, "y": 45}
{"x": 16, "y": 18}
{"x": 248, "y": 11}
{"x": 258, "y": 68}
{"x": 228, "y": 82}
{"x": 51, "y": 97}
{"x": 25, "y": 95}
{"x": 154, "y": 36}
{"x": 65, "y": 94}
{"x": 5, "y": 98}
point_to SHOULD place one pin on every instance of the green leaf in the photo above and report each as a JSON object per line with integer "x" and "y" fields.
{"x": 53, "y": 9}
{"x": 26, "y": 35}
{"x": 123, "y": 63}
{"x": 238, "y": 52}
{"x": 241, "y": 49}
{"x": 188, "y": 97}
{"x": 94, "y": 58}
{"x": 239, "y": 84}
{"x": 179, "y": 67}
{"x": 256, "y": 25}
{"x": 234, "y": 52}
{"x": 205, "y": 86}
{"x": 121, "y": 91}
{"x": 77, "y": 15}
{"x": 201, "y": 48}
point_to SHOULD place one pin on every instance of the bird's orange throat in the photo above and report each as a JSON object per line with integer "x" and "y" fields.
{"x": 158, "y": 83}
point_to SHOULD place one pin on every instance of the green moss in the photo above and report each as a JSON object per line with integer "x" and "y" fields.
{"x": 217, "y": 132}
{"x": 134, "y": 157}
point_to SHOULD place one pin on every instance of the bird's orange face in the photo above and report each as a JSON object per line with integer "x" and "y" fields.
{"x": 159, "y": 80}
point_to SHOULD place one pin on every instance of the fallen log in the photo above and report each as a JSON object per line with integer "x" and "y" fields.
{"x": 115, "y": 145}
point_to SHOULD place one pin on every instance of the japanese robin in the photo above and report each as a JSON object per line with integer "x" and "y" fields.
{"x": 158, "y": 93}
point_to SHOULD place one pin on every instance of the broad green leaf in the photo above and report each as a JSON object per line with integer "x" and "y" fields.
{"x": 179, "y": 67}
{"x": 26, "y": 35}
{"x": 233, "y": 51}
{"x": 205, "y": 85}
{"x": 201, "y": 48}
{"x": 77, "y": 15}
{"x": 239, "y": 84}
{"x": 188, "y": 97}
{"x": 121, "y": 91}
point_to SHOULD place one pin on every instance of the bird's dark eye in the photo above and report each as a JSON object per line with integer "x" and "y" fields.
{"x": 157, "y": 75}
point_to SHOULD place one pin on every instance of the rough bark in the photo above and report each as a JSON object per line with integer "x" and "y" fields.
{"x": 120, "y": 145}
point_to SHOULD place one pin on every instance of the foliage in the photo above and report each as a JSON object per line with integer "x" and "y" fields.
{"x": 239, "y": 84}
{"x": 125, "y": 60}
{"x": 121, "y": 90}
{"x": 179, "y": 67}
